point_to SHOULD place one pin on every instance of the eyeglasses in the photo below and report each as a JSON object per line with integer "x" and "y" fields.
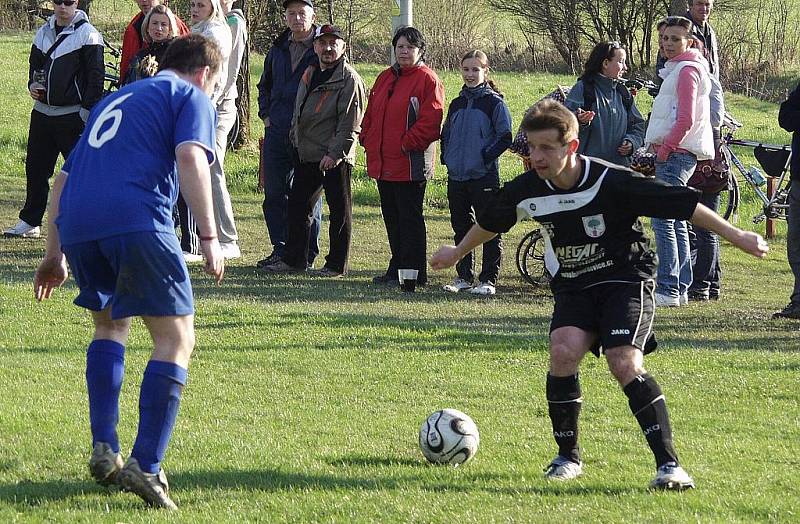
{"x": 68, "y": 3}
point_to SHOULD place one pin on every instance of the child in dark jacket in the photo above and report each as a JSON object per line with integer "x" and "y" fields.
{"x": 476, "y": 132}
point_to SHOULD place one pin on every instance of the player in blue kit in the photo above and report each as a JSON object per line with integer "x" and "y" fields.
{"x": 603, "y": 270}
{"x": 111, "y": 219}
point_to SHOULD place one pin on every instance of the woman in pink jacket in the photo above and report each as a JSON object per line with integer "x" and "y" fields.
{"x": 680, "y": 132}
{"x": 402, "y": 121}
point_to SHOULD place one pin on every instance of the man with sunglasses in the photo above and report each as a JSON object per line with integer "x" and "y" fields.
{"x": 65, "y": 80}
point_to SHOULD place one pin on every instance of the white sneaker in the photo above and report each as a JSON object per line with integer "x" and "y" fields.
{"x": 683, "y": 299}
{"x": 22, "y": 230}
{"x": 673, "y": 477}
{"x": 458, "y": 284}
{"x": 191, "y": 258}
{"x": 563, "y": 469}
{"x": 484, "y": 288}
{"x": 665, "y": 301}
{"x": 230, "y": 250}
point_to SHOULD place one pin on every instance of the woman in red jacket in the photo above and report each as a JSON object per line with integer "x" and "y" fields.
{"x": 401, "y": 124}
{"x": 132, "y": 41}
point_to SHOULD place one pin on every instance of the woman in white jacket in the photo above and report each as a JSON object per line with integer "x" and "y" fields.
{"x": 680, "y": 132}
{"x": 208, "y": 19}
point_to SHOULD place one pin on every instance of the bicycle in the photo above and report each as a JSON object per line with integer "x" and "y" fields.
{"x": 774, "y": 159}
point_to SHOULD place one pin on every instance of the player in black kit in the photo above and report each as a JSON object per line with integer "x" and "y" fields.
{"x": 603, "y": 268}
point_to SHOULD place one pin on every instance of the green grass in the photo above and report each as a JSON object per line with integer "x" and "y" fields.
{"x": 305, "y": 396}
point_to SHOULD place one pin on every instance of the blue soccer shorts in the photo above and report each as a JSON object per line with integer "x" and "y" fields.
{"x": 137, "y": 274}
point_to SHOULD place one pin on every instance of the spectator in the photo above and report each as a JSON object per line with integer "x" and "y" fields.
{"x": 611, "y": 126}
{"x": 327, "y": 118}
{"x": 159, "y": 28}
{"x": 238, "y": 27}
{"x": 680, "y": 132}
{"x": 65, "y": 80}
{"x": 402, "y": 122}
{"x": 288, "y": 58}
{"x": 704, "y": 244}
{"x": 208, "y": 19}
{"x": 133, "y": 40}
{"x": 789, "y": 119}
{"x": 476, "y": 132}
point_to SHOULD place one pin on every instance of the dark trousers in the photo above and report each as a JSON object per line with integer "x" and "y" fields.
{"x": 704, "y": 248}
{"x": 401, "y": 206}
{"x": 466, "y": 200}
{"x": 47, "y": 137}
{"x": 278, "y": 180}
{"x": 307, "y": 187}
{"x": 793, "y": 237}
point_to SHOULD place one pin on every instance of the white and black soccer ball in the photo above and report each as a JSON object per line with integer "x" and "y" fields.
{"x": 449, "y": 436}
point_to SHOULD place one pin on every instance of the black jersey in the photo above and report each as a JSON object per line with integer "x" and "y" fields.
{"x": 592, "y": 232}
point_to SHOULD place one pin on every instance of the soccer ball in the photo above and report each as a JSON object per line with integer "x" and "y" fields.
{"x": 449, "y": 436}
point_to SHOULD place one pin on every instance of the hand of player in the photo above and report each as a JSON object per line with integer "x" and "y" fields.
{"x": 328, "y": 163}
{"x": 51, "y": 273}
{"x": 752, "y": 243}
{"x": 625, "y": 148}
{"x": 584, "y": 117}
{"x": 266, "y": 122}
{"x": 447, "y": 256}
{"x": 215, "y": 262}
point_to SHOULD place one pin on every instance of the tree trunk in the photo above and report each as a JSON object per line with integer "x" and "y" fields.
{"x": 678, "y": 7}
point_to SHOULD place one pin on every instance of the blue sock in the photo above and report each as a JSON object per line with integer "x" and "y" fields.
{"x": 105, "y": 369}
{"x": 159, "y": 399}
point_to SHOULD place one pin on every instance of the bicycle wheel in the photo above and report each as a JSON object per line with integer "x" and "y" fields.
{"x": 729, "y": 199}
{"x": 530, "y": 259}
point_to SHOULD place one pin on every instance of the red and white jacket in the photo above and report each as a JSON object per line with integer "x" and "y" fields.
{"x": 401, "y": 124}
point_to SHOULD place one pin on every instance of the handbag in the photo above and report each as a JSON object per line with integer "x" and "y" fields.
{"x": 520, "y": 143}
{"x": 710, "y": 176}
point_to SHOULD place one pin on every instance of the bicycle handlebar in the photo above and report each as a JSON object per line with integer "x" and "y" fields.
{"x": 730, "y": 122}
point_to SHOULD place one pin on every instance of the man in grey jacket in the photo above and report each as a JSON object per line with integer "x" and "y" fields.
{"x": 330, "y": 104}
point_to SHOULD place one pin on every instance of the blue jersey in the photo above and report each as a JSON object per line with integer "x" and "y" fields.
{"x": 122, "y": 175}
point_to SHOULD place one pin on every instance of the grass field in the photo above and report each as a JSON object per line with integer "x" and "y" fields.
{"x": 305, "y": 396}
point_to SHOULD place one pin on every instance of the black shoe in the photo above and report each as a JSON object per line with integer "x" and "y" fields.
{"x": 274, "y": 257}
{"x": 282, "y": 267}
{"x": 698, "y": 297}
{"x": 385, "y": 280}
{"x": 792, "y": 310}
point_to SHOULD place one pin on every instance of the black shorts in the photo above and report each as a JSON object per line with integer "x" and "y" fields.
{"x": 620, "y": 313}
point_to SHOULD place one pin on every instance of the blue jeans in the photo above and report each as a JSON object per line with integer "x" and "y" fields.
{"x": 672, "y": 238}
{"x": 278, "y": 178}
{"x": 706, "y": 271}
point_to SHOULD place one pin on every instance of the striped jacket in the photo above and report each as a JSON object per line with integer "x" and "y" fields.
{"x": 74, "y": 70}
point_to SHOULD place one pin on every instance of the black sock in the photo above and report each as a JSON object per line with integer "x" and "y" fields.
{"x": 564, "y": 405}
{"x": 650, "y": 408}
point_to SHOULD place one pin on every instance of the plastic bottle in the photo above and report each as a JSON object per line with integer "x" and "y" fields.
{"x": 756, "y": 177}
